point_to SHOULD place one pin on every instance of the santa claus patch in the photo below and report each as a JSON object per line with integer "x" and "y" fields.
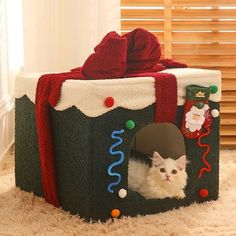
{"x": 196, "y": 112}
{"x": 195, "y": 118}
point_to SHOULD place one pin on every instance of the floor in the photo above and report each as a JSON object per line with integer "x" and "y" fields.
{"x": 22, "y": 213}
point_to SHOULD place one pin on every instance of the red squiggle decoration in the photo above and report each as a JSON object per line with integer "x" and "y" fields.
{"x": 208, "y": 166}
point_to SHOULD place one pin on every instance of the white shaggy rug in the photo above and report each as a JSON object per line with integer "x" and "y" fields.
{"x": 23, "y": 214}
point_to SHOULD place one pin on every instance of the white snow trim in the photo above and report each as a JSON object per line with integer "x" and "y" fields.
{"x": 131, "y": 93}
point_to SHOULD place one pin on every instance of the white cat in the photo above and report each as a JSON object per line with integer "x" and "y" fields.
{"x": 165, "y": 177}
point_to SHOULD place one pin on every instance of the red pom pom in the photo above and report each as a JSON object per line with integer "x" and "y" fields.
{"x": 203, "y": 193}
{"x": 109, "y": 101}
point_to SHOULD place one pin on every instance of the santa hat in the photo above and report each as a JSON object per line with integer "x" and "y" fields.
{"x": 201, "y": 105}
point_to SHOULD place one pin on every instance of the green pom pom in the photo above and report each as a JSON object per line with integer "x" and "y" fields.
{"x": 129, "y": 124}
{"x": 214, "y": 89}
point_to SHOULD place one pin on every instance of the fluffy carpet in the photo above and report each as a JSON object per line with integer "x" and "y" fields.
{"x": 22, "y": 213}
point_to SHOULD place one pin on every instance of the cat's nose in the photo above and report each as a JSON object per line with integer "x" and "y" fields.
{"x": 167, "y": 176}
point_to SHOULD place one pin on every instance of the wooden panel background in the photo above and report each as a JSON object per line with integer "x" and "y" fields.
{"x": 201, "y": 33}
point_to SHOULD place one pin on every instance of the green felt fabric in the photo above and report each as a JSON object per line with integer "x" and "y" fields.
{"x": 82, "y": 158}
{"x": 196, "y": 92}
{"x": 27, "y": 164}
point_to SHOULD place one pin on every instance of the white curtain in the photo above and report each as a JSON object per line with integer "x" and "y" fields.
{"x": 60, "y": 34}
{"x": 46, "y": 36}
{"x": 11, "y": 59}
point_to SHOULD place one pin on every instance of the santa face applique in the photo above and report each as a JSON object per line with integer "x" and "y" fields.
{"x": 195, "y": 118}
{"x": 196, "y": 111}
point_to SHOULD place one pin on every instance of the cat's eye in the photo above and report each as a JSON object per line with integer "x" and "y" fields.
{"x": 162, "y": 170}
{"x": 174, "y": 172}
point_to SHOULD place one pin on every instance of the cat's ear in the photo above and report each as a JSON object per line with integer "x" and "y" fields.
{"x": 181, "y": 162}
{"x": 157, "y": 159}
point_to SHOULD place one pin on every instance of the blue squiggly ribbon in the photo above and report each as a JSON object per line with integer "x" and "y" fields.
{"x": 114, "y": 135}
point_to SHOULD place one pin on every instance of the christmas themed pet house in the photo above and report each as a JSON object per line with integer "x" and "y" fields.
{"x": 76, "y": 131}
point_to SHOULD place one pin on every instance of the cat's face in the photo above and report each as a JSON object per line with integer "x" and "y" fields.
{"x": 168, "y": 169}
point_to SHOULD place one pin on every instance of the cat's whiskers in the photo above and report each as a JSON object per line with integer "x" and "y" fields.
{"x": 165, "y": 177}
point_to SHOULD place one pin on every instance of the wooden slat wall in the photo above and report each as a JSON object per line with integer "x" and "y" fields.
{"x": 201, "y": 33}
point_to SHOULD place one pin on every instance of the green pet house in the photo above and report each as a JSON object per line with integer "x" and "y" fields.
{"x": 98, "y": 124}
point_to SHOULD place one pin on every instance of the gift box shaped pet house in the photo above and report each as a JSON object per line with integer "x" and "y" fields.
{"x": 99, "y": 125}
{"x": 122, "y": 135}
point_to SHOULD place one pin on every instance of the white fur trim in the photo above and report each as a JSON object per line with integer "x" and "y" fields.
{"x": 131, "y": 93}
